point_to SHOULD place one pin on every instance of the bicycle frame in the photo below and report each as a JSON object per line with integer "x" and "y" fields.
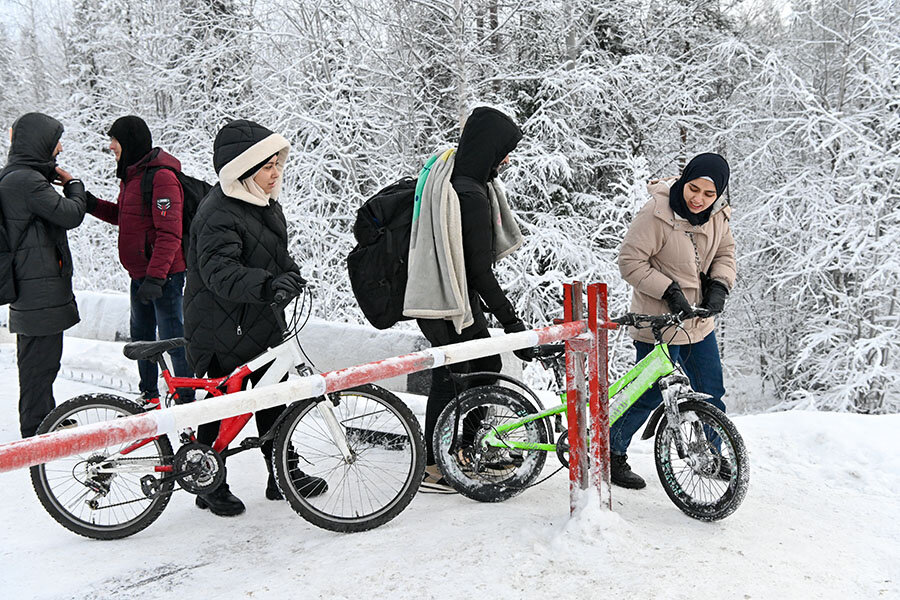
{"x": 281, "y": 359}
{"x": 624, "y": 392}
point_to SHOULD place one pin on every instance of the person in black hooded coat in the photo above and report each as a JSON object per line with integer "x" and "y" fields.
{"x": 486, "y": 141}
{"x": 237, "y": 259}
{"x": 36, "y": 218}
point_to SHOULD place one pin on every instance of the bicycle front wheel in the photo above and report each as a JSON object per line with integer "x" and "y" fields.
{"x": 710, "y": 481}
{"x": 376, "y": 482}
{"x": 101, "y": 494}
{"x": 488, "y": 473}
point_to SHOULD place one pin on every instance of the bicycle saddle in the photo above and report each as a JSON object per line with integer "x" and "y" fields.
{"x": 147, "y": 350}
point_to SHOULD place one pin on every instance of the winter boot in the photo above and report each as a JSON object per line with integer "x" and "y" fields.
{"x": 221, "y": 502}
{"x": 307, "y": 486}
{"x": 622, "y": 475}
{"x": 272, "y": 491}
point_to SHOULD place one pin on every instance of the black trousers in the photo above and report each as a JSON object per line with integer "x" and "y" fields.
{"x": 443, "y": 389}
{"x": 207, "y": 433}
{"x": 38, "y": 359}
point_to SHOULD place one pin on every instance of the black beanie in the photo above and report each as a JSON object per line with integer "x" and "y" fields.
{"x": 134, "y": 136}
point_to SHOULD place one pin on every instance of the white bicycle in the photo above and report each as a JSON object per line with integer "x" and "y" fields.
{"x": 364, "y": 442}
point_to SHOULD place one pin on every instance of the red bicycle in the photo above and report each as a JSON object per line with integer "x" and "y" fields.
{"x": 364, "y": 442}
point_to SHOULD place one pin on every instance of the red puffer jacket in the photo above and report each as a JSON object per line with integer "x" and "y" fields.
{"x": 149, "y": 236}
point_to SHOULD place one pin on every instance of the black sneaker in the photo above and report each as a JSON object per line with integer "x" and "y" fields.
{"x": 622, "y": 475}
{"x": 221, "y": 502}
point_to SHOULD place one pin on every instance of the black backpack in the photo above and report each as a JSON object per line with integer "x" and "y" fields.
{"x": 377, "y": 265}
{"x": 8, "y": 293}
{"x": 194, "y": 191}
{"x": 7, "y": 257}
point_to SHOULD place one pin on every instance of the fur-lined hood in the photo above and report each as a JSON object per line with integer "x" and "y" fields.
{"x": 240, "y": 146}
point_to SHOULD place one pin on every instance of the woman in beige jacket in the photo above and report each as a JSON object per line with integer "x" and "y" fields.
{"x": 678, "y": 253}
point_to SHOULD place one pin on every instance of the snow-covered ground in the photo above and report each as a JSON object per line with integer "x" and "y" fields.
{"x": 821, "y": 520}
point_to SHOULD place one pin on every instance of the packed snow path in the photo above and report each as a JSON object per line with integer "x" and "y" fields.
{"x": 821, "y": 520}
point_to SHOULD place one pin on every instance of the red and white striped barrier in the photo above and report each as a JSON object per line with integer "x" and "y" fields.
{"x": 56, "y": 445}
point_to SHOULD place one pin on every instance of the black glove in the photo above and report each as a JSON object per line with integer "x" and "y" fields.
{"x": 515, "y": 326}
{"x": 674, "y": 297}
{"x": 151, "y": 289}
{"x": 291, "y": 283}
{"x": 73, "y": 187}
{"x": 90, "y": 202}
{"x": 714, "y": 300}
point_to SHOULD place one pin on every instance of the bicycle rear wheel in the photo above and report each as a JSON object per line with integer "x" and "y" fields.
{"x": 380, "y": 479}
{"x": 488, "y": 474}
{"x": 87, "y": 493}
{"x": 711, "y": 480}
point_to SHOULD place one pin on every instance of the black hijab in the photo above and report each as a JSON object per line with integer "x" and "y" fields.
{"x": 703, "y": 165}
{"x": 133, "y": 135}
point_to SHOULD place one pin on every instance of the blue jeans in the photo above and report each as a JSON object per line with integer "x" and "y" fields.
{"x": 703, "y": 365}
{"x": 163, "y": 314}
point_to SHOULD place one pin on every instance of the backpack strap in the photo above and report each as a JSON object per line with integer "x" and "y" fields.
{"x": 147, "y": 183}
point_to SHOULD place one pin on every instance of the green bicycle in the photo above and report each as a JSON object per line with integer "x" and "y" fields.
{"x": 493, "y": 441}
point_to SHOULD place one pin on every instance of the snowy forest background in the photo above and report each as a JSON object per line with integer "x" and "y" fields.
{"x": 802, "y": 98}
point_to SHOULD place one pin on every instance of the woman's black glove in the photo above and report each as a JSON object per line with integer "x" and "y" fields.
{"x": 151, "y": 289}
{"x": 714, "y": 300}
{"x": 291, "y": 283}
{"x": 674, "y": 297}
{"x": 526, "y": 354}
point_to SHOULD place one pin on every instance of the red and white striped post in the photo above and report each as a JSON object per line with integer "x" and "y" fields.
{"x": 585, "y": 472}
{"x": 576, "y": 397}
{"x": 598, "y": 367}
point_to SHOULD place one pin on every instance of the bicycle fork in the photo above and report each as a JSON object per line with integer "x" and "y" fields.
{"x": 338, "y": 434}
{"x": 676, "y": 388}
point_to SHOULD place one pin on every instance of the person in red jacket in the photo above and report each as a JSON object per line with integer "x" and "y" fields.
{"x": 149, "y": 242}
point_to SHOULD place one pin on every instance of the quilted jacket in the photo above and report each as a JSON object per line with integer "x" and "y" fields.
{"x": 237, "y": 247}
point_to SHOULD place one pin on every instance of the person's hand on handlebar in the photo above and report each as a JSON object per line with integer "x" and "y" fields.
{"x": 287, "y": 285}
{"x": 676, "y": 301}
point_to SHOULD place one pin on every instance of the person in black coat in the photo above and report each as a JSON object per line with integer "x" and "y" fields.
{"x": 486, "y": 141}
{"x": 238, "y": 259}
{"x": 36, "y": 218}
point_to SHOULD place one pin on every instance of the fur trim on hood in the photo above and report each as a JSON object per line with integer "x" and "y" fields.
{"x": 241, "y": 145}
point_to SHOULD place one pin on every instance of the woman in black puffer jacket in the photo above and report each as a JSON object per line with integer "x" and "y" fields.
{"x": 238, "y": 259}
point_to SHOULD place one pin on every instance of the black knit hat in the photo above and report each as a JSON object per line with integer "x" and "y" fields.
{"x": 134, "y": 136}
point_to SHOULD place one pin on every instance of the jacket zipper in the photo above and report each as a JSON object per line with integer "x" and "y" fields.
{"x": 241, "y": 319}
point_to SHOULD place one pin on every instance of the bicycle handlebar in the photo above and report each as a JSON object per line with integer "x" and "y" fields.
{"x": 639, "y": 321}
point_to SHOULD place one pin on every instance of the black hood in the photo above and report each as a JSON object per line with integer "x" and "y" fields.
{"x": 487, "y": 138}
{"x": 134, "y": 136}
{"x": 34, "y": 138}
{"x": 709, "y": 165}
{"x": 236, "y": 138}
